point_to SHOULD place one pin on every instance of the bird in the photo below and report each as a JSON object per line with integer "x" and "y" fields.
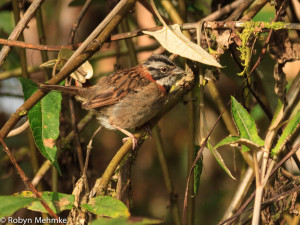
{"x": 128, "y": 98}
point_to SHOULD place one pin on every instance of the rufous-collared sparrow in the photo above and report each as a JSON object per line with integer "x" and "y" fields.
{"x": 128, "y": 98}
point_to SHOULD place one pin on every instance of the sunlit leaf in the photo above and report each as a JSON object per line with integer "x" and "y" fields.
{"x": 227, "y": 141}
{"x": 245, "y": 123}
{"x": 58, "y": 202}
{"x": 278, "y": 115}
{"x": 232, "y": 140}
{"x": 172, "y": 39}
{"x": 291, "y": 127}
{"x": 107, "y": 206}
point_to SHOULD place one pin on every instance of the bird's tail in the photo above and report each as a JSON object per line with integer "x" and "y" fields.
{"x": 70, "y": 90}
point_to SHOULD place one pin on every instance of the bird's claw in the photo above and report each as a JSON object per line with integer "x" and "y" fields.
{"x": 133, "y": 139}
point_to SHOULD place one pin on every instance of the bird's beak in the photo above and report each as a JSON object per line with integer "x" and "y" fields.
{"x": 178, "y": 71}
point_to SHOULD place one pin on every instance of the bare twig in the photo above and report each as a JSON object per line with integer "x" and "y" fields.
{"x": 22, "y": 52}
{"x": 166, "y": 174}
{"x": 26, "y": 180}
{"x": 76, "y": 135}
{"x": 223, "y": 11}
{"x": 89, "y": 148}
{"x": 42, "y": 37}
{"x": 22, "y": 44}
{"x": 19, "y": 28}
{"x": 257, "y": 6}
{"x": 136, "y": 33}
{"x": 41, "y": 172}
{"x": 240, "y": 10}
{"x": 79, "y": 19}
{"x": 92, "y": 37}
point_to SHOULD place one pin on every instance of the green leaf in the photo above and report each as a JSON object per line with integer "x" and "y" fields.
{"x": 197, "y": 170}
{"x": 227, "y": 141}
{"x": 10, "y": 204}
{"x": 287, "y": 133}
{"x": 245, "y": 123}
{"x": 58, "y": 202}
{"x": 107, "y": 206}
{"x": 125, "y": 221}
{"x": 219, "y": 159}
{"x": 44, "y": 120}
{"x": 237, "y": 140}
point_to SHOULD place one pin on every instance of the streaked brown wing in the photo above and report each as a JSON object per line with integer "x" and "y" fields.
{"x": 115, "y": 86}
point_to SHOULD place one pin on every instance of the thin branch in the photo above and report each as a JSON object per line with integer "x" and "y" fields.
{"x": 76, "y": 134}
{"x": 116, "y": 37}
{"x": 19, "y": 28}
{"x": 166, "y": 174}
{"x": 22, "y": 52}
{"x": 95, "y": 57}
{"x": 257, "y": 6}
{"x": 223, "y": 11}
{"x": 89, "y": 148}
{"x": 240, "y": 10}
{"x": 41, "y": 172}
{"x": 79, "y": 19}
{"x": 26, "y": 180}
{"x": 17, "y": 72}
{"x": 92, "y": 38}
{"x": 22, "y": 44}
{"x": 42, "y": 37}
{"x": 6, "y": 94}
{"x": 71, "y": 100}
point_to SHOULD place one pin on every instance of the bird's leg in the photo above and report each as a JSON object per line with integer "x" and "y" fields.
{"x": 130, "y": 135}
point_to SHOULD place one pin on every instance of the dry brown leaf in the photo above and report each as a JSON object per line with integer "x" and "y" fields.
{"x": 172, "y": 39}
{"x": 83, "y": 73}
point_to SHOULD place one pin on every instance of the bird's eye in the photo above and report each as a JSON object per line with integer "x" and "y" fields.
{"x": 163, "y": 69}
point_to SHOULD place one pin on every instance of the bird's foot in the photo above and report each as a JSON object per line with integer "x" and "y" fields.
{"x": 130, "y": 135}
{"x": 133, "y": 139}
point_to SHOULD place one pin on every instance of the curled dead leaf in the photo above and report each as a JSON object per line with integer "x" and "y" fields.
{"x": 172, "y": 39}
